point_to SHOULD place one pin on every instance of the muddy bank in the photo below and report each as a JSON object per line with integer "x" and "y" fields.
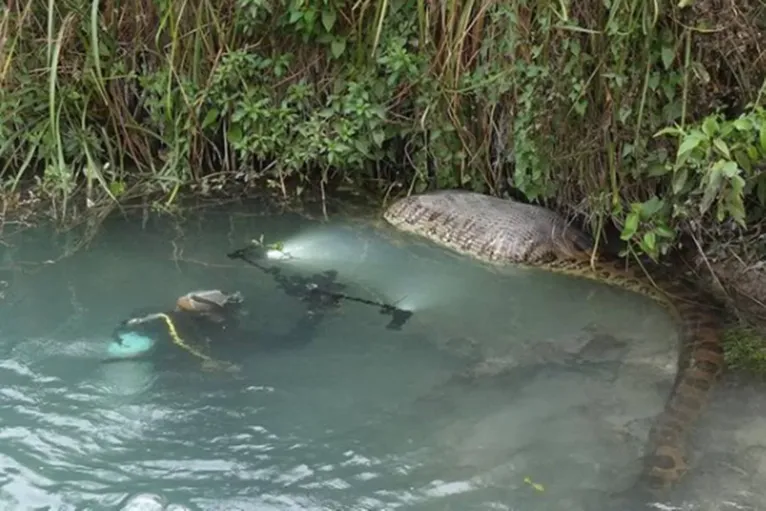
{"x": 738, "y": 283}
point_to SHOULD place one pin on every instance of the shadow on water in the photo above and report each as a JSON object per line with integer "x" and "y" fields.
{"x": 507, "y": 389}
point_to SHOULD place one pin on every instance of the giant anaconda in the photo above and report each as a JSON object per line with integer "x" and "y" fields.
{"x": 497, "y": 230}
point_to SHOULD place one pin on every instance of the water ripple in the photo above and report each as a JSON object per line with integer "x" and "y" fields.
{"x": 338, "y": 424}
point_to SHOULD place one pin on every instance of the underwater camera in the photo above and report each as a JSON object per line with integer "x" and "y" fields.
{"x": 320, "y": 291}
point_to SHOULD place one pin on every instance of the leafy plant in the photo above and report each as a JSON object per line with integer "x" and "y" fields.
{"x": 554, "y": 102}
{"x": 718, "y": 168}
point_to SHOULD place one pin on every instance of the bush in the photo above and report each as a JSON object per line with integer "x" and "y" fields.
{"x": 558, "y": 102}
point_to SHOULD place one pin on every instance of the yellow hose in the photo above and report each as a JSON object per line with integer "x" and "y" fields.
{"x": 208, "y": 363}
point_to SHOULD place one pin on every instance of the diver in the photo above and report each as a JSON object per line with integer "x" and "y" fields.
{"x": 203, "y": 323}
{"x": 214, "y": 307}
{"x": 207, "y": 320}
{"x": 213, "y": 303}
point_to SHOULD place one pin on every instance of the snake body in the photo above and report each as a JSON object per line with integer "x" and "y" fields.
{"x": 502, "y": 231}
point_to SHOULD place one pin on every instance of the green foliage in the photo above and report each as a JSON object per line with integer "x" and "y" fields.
{"x": 724, "y": 159}
{"x": 655, "y": 236}
{"x": 745, "y": 349}
{"x": 557, "y": 101}
{"x": 718, "y": 168}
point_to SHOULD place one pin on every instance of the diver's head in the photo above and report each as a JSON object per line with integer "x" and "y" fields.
{"x": 211, "y": 301}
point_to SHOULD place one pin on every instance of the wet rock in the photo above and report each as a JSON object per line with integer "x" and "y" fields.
{"x": 588, "y": 351}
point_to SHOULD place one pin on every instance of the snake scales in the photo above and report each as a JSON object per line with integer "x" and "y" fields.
{"x": 496, "y": 230}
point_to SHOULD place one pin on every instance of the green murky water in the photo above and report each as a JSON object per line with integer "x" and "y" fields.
{"x": 566, "y": 377}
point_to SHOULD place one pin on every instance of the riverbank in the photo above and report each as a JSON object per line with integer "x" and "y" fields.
{"x": 625, "y": 115}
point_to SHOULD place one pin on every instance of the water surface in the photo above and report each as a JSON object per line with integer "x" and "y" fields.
{"x": 565, "y": 378}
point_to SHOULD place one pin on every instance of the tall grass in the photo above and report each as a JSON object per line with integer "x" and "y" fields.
{"x": 553, "y": 101}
